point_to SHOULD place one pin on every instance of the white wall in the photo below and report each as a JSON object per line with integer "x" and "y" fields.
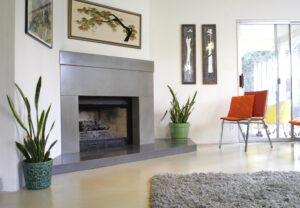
{"x": 213, "y": 100}
{"x": 8, "y": 158}
{"x": 33, "y": 59}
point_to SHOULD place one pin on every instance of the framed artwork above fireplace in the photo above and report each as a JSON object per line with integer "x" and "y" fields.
{"x": 94, "y": 22}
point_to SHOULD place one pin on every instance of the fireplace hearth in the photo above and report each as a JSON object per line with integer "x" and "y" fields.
{"x": 107, "y": 113}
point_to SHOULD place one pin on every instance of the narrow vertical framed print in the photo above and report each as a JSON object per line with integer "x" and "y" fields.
{"x": 188, "y": 50}
{"x": 209, "y": 54}
{"x": 39, "y": 20}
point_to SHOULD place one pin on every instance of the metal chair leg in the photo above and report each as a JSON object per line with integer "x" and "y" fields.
{"x": 292, "y": 128}
{"x": 247, "y": 135}
{"x": 220, "y": 142}
{"x": 283, "y": 129}
{"x": 241, "y": 131}
{"x": 259, "y": 134}
{"x": 266, "y": 128}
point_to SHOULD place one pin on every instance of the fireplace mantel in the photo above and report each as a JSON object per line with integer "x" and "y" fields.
{"x": 96, "y": 75}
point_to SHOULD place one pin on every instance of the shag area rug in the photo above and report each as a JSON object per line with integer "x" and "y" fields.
{"x": 261, "y": 189}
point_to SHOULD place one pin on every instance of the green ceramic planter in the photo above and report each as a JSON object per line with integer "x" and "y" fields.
{"x": 37, "y": 175}
{"x": 179, "y": 131}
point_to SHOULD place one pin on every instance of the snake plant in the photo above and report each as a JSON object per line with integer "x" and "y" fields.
{"x": 35, "y": 141}
{"x": 180, "y": 114}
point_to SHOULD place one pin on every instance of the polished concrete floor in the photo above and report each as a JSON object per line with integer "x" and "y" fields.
{"x": 128, "y": 185}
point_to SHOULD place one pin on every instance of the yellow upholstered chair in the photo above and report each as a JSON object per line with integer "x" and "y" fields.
{"x": 284, "y": 110}
{"x": 284, "y": 114}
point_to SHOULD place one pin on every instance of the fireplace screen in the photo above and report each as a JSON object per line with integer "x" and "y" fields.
{"x": 104, "y": 121}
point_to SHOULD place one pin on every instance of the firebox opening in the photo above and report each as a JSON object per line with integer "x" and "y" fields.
{"x": 105, "y": 122}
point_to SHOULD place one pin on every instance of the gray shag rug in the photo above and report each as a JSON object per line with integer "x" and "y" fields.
{"x": 261, "y": 189}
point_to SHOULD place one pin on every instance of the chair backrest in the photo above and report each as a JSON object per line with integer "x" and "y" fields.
{"x": 241, "y": 106}
{"x": 260, "y": 102}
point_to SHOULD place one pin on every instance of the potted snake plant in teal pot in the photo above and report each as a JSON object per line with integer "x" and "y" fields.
{"x": 37, "y": 165}
{"x": 179, "y": 116}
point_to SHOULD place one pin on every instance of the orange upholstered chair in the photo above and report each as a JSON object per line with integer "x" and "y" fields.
{"x": 295, "y": 122}
{"x": 241, "y": 108}
{"x": 258, "y": 114}
{"x": 246, "y": 116}
{"x": 260, "y": 102}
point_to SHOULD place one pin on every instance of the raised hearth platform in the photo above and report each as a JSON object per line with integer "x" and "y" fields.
{"x": 96, "y": 158}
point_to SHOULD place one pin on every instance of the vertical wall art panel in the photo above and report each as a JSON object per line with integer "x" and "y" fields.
{"x": 188, "y": 47}
{"x": 209, "y": 54}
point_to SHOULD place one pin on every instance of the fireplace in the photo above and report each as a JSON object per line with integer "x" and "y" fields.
{"x": 106, "y": 102}
{"x": 96, "y": 89}
{"x": 104, "y": 122}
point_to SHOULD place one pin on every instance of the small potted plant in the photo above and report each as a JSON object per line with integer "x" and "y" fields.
{"x": 179, "y": 116}
{"x": 37, "y": 165}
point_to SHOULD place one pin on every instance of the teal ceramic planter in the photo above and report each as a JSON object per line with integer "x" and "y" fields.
{"x": 37, "y": 175}
{"x": 179, "y": 131}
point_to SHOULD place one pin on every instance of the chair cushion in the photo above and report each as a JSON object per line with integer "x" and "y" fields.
{"x": 260, "y": 100}
{"x": 295, "y": 122}
{"x": 241, "y": 106}
{"x": 232, "y": 119}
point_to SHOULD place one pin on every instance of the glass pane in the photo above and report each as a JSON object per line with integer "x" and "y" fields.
{"x": 296, "y": 74}
{"x": 259, "y": 67}
{"x": 283, "y": 45}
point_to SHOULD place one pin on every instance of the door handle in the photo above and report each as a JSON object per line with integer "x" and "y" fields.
{"x": 241, "y": 80}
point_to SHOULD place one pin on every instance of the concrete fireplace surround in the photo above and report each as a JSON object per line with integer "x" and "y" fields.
{"x": 97, "y": 75}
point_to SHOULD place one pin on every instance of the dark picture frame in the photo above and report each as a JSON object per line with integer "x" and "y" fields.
{"x": 93, "y": 22}
{"x": 188, "y": 51}
{"x": 209, "y": 54}
{"x": 39, "y": 21}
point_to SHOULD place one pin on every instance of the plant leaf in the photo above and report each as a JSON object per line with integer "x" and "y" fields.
{"x": 27, "y": 107}
{"x": 50, "y": 131}
{"x": 16, "y": 115}
{"x": 48, "y": 151}
{"x": 47, "y": 156}
{"x": 23, "y": 151}
{"x": 46, "y": 118}
{"x": 40, "y": 125}
{"x": 164, "y": 115}
{"x": 37, "y": 96}
{"x": 29, "y": 119}
{"x": 31, "y": 148}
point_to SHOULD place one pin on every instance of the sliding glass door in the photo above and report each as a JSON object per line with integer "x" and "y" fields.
{"x": 295, "y": 49}
{"x": 269, "y": 60}
{"x": 284, "y": 91}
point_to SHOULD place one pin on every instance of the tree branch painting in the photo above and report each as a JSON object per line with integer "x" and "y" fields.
{"x": 98, "y": 18}
{"x": 90, "y": 21}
